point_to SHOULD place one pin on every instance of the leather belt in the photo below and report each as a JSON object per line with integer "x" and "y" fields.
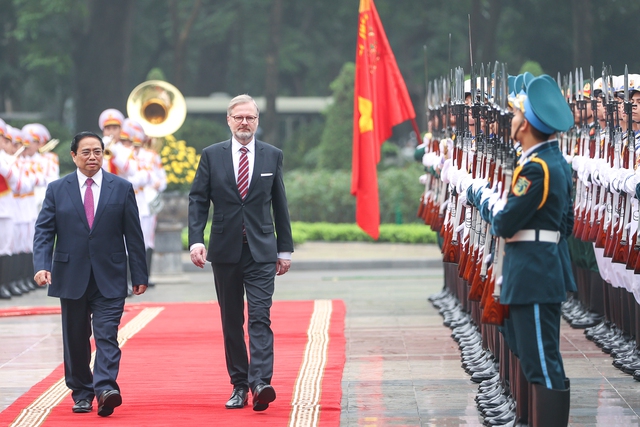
{"x": 244, "y": 239}
{"x": 535, "y": 236}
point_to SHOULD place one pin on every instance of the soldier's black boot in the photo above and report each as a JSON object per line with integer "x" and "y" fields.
{"x": 4, "y": 278}
{"x": 22, "y": 276}
{"x": 550, "y": 407}
{"x": 149, "y": 255}
{"x": 12, "y": 268}
{"x": 31, "y": 282}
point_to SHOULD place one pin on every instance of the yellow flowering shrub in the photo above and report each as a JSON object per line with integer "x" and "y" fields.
{"x": 180, "y": 163}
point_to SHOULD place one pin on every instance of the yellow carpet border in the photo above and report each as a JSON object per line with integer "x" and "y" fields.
{"x": 307, "y": 389}
{"x": 37, "y": 412}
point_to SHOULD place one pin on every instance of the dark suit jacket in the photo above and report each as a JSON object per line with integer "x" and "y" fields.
{"x": 215, "y": 182}
{"x": 64, "y": 245}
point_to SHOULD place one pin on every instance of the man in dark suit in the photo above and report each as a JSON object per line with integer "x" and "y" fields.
{"x": 88, "y": 224}
{"x": 242, "y": 177}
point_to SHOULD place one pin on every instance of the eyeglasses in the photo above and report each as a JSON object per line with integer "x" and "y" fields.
{"x": 239, "y": 119}
{"x": 87, "y": 153}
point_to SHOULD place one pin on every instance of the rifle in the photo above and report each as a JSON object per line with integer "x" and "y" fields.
{"x": 477, "y": 172}
{"x": 451, "y": 249}
{"x": 617, "y": 205}
{"x": 595, "y": 153}
{"x": 494, "y": 312}
{"x": 621, "y": 250}
{"x": 491, "y": 174}
{"x": 607, "y": 134}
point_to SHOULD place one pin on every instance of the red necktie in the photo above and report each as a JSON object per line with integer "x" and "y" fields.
{"x": 243, "y": 173}
{"x": 88, "y": 202}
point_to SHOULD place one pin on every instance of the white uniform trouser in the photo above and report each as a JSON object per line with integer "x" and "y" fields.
{"x": 148, "y": 225}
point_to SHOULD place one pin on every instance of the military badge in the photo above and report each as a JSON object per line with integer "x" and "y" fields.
{"x": 521, "y": 186}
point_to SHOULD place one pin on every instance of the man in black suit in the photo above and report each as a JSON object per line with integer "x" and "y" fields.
{"x": 242, "y": 177}
{"x": 88, "y": 223}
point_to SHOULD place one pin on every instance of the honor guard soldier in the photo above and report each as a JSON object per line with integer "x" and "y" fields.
{"x": 535, "y": 221}
{"x": 150, "y": 161}
{"x": 118, "y": 156}
{"x": 9, "y": 176}
{"x": 23, "y": 188}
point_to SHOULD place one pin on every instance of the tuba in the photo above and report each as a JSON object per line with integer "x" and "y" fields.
{"x": 158, "y": 106}
{"x": 161, "y": 109}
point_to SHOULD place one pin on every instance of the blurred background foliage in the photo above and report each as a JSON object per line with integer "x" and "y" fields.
{"x": 64, "y": 61}
{"x": 71, "y": 59}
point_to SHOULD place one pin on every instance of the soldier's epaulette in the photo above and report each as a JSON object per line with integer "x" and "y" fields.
{"x": 545, "y": 170}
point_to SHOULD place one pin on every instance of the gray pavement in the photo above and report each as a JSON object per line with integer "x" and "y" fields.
{"x": 402, "y": 368}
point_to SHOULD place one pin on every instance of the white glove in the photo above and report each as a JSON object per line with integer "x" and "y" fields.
{"x": 445, "y": 171}
{"x": 627, "y": 181}
{"x": 443, "y": 207}
{"x": 464, "y": 183}
{"x": 462, "y": 198}
{"x": 423, "y": 179}
{"x": 498, "y": 206}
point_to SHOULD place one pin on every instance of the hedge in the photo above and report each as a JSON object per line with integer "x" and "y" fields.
{"x": 323, "y": 231}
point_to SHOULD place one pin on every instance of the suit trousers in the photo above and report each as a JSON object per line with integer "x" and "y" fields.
{"x": 77, "y": 318}
{"x": 536, "y": 329}
{"x": 257, "y": 280}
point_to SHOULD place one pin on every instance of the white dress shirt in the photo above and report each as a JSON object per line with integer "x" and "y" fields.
{"x": 95, "y": 187}
{"x": 251, "y": 155}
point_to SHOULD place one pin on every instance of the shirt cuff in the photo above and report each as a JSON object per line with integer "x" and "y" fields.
{"x": 284, "y": 255}
{"x": 196, "y": 245}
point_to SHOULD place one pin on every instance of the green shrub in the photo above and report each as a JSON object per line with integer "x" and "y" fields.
{"x": 325, "y": 196}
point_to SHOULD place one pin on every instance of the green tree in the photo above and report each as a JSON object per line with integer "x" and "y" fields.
{"x": 336, "y": 142}
{"x": 300, "y": 151}
{"x": 199, "y": 133}
{"x": 533, "y": 67}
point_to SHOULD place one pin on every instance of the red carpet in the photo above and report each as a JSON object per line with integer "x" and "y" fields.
{"x": 173, "y": 373}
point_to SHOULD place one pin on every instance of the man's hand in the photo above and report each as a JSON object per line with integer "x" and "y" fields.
{"x": 139, "y": 289}
{"x": 282, "y": 266}
{"x": 199, "y": 256}
{"x": 42, "y": 278}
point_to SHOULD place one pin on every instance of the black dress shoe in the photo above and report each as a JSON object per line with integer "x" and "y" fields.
{"x": 108, "y": 400}
{"x": 263, "y": 394}
{"x": 82, "y": 406}
{"x": 239, "y": 398}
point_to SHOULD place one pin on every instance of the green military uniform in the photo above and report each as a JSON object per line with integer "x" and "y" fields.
{"x": 535, "y": 221}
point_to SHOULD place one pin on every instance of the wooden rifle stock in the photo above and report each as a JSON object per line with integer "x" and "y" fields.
{"x": 621, "y": 243}
{"x": 595, "y": 218}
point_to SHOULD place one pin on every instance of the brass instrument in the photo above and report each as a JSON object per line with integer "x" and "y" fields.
{"x": 161, "y": 109}
{"x": 158, "y": 106}
{"x": 49, "y": 146}
{"x": 14, "y": 156}
{"x": 107, "y": 141}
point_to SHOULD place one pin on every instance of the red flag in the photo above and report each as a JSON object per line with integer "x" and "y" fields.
{"x": 381, "y": 101}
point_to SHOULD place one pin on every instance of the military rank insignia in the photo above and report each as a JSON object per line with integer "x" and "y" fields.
{"x": 521, "y": 186}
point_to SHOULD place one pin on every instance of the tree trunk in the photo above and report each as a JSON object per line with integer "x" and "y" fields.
{"x": 582, "y": 28}
{"x": 180, "y": 37}
{"x": 99, "y": 58}
{"x": 489, "y": 50}
{"x": 270, "y": 121}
